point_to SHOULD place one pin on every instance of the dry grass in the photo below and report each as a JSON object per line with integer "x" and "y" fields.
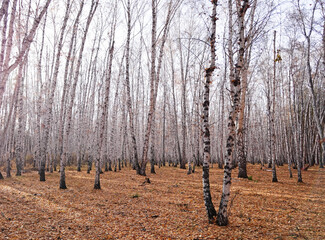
{"x": 171, "y": 207}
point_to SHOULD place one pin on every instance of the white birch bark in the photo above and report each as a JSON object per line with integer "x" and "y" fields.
{"x": 211, "y": 212}
{"x": 235, "y": 91}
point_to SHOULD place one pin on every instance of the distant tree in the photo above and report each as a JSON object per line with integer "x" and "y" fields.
{"x": 307, "y": 26}
{"x": 155, "y": 68}
{"x": 7, "y": 43}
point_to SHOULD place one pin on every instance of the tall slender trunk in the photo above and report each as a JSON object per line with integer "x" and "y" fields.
{"x": 20, "y": 140}
{"x": 128, "y": 90}
{"x": 152, "y": 87}
{"x": 235, "y": 91}
{"x": 211, "y": 212}
{"x": 164, "y": 129}
{"x": 184, "y": 80}
{"x": 61, "y": 119}
{"x": 241, "y": 131}
{"x": 113, "y": 147}
{"x": 50, "y": 101}
{"x": 178, "y": 147}
{"x": 274, "y": 177}
{"x": 103, "y": 124}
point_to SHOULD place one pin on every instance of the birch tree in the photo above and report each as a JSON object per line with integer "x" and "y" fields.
{"x": 103, "y": 120}
{"x": 51, "y": 97}
{"x": 211, "y": 212}
{"x": 64, "y": 155}
{"x": 235, "y": 92}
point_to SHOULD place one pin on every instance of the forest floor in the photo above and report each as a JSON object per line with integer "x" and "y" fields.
{"x": 170, "y": 207}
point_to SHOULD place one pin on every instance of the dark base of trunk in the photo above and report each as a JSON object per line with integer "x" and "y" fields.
{"x": 182, "y": 166}
{"x": 141, "y": 172}
{"x": 152, "y": 170}
{"x": 42, "y": 175}
{"x": 193, "y": 170}
{"x": 221, "y": 220}
{"x": 18, "y": 173}
{"x": 79, "y": 169}
{"x": 106, "y": 167}
{"x": 212, "y": 215}
{"x": 211, "y": 211}
{"x": 97, "y": 186}
{"x": 1, "y": 177}
{"x": 62, "y": 185}
{"x": 300, "y": 180}
{"x": 242, "y": 174}
{"x": 274, "y": 180}
{"x": 189, "y": 170}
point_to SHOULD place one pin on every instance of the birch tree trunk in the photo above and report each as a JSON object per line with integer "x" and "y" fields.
{"x": 273, "y": 151}
{"x": 152, "y": 88}
{"x": 20, "y": 133}
{"x": 65, "y": 78}
{"x": 128, "y": 90}
{"x": 178, "y": 147}
{"x": 51, "y": 98}
{"x": 64, "y": 155}
{"x": 241, "y": 131}
{"x": 211, "y": 212}
{"x": 235, "y": 91}
{"x": 183, "y": 77}
{"x": 103, "y": 120}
